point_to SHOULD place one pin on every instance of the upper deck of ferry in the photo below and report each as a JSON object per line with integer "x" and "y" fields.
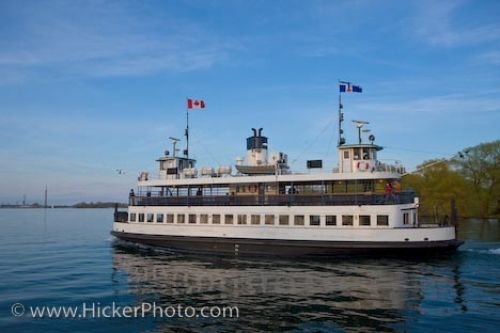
{"x": 359, "y": 179}
{"x": 356, "y": 162}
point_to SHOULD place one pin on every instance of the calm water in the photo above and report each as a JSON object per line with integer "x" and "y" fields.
{"x": 64, "y": 257}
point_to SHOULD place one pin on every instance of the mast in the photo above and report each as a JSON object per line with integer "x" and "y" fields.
{"x": 186, "y": 152}
{"x": 346, "y": 87}
{"x": 191, "y": 104}
{"x": 341, "y": 119}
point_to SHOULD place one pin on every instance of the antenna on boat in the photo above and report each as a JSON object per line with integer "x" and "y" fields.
{"x": 359, "y": 125}
{"x": 174, "y": 142}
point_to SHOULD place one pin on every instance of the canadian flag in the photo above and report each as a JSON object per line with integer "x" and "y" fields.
{"x": 195, "y": 103}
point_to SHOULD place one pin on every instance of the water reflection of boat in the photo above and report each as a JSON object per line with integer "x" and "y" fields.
{"x": 363, "y": 293}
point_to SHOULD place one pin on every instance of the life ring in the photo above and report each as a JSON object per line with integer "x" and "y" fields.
{"x": 363, "y": 166}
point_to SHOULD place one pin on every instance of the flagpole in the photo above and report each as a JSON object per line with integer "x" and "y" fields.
{"x": 340, "y": 119}
{"x": 340, "y": 115}
{"x": 187, "y": 130}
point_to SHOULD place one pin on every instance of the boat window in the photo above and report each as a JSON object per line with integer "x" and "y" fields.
{"x": 255, "y": 219}
{"x": 284, "y": 219}
{"x": 141, "y": 217}
{"x": 228, "y": 219}
{"x": 340, "y": 187}
{"x": 364, "y": 220}
{"x": 346, "y": 154}
{"x": 269, "y": 219}
{"x": 170, "y": 218}
{"x": 180, "y": 218}
{"x": 367, "y": 185}
{"x": 380, "y": 185}
{"x": 347, "y": 220}
{"x": 298, "y": 220}
{"x": 314, "y": 220}
{"x": 358, "y": 186}
{"x": 331, "y": 220}
{"x": 414, "y": 218}
{"x": 242, "y": 219}
{"x": 366, "y": 154}
{"x": 192, "y": 218}
{"x": 405, "y": 218}
{"x": 356, "y": 154}
{"x": 382, "y": 220}
{"x": 204, "y": 218}
{"x": 150, "y": 217}
{"x": 271, "y": 188}
{"x": 132, "y": 217}
{"x": 159, "y": 218}
{"x": 216, "y": 219}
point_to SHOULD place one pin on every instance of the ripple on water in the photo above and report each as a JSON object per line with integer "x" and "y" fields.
{"x": 66, "y": 257}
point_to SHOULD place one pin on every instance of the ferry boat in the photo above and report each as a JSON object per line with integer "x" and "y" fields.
{"x": 264, "y": 208}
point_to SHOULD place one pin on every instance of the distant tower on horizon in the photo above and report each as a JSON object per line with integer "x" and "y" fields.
{"x": 45, "y": 201}
{"x": 24, "y": 199}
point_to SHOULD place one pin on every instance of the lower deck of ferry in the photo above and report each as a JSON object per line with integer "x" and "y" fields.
{"x": 282, "y": 230}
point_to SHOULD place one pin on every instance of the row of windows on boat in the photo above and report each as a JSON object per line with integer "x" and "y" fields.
{"x": 351, "y": 186}
{"x": 256, "y": 219}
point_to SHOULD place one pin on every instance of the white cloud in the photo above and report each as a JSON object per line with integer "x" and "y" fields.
{"x": 103, "y": 40}
{"x": 435, "y": 24}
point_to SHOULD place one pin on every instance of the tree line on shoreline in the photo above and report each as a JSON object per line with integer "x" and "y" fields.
{"x": 91, "y": 204}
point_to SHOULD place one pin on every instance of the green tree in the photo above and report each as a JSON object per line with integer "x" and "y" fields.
{"x": 480, "y": 166}
{"x": 472, "y": 178}
{"x": 436, "y": 184}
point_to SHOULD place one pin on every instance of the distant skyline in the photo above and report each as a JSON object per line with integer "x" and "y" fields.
{"x": 90, "y": 87}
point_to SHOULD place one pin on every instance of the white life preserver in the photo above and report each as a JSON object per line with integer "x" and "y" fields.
{"x": 363, "y": 166}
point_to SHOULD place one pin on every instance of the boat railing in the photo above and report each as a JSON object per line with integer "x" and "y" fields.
{"x": 397, "y": 167}
{"x": 275, "y": 200}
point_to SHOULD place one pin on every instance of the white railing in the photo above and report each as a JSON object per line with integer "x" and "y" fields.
{"x": 397, "y": 167}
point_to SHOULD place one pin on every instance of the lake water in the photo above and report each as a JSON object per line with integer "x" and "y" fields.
{"x": 66, "y": 257}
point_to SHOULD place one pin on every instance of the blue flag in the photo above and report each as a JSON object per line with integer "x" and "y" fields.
{"x": 347, "y": 87}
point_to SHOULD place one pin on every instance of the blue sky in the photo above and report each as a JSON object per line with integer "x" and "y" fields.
{"x": 87, "y": 87}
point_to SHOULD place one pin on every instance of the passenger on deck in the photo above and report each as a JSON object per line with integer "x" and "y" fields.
{"x": 131, "y": 197}
{"x": 388, "y": 191}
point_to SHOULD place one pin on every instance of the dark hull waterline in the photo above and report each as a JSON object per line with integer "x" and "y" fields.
{"x": 266, "y": 247}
